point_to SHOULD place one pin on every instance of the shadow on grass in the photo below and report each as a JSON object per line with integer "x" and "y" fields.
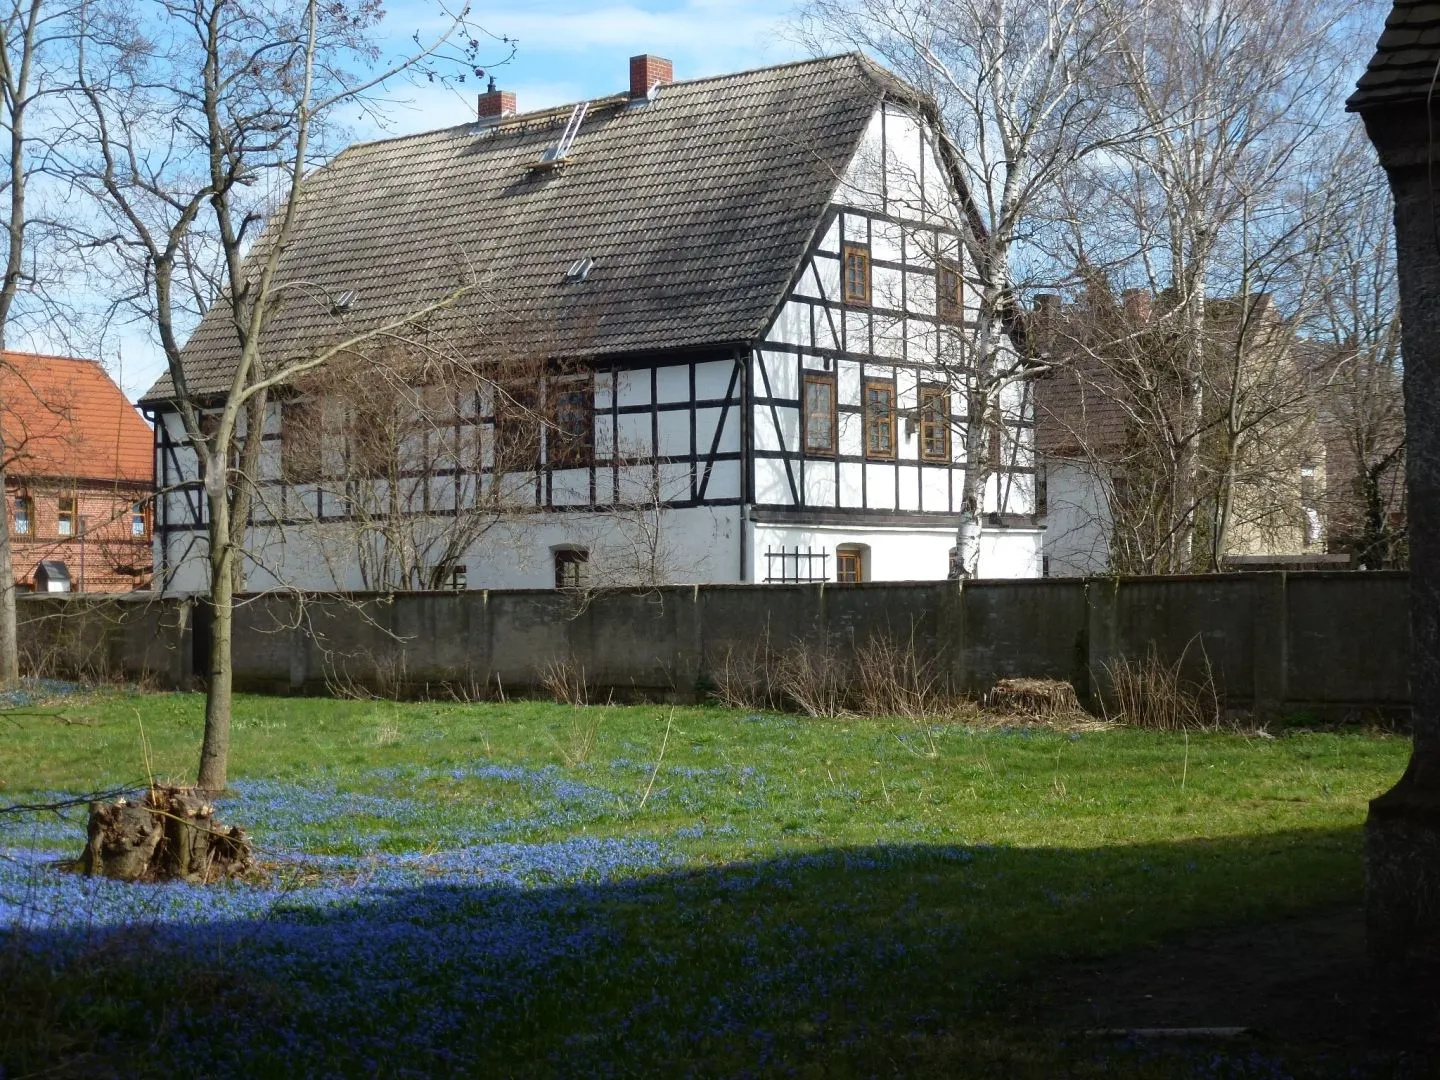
{"x": 888, "y": 960}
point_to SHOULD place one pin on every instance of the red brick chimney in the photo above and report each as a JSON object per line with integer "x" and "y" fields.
{"x": 648, "y": 71}
{"x": 495, "y": 104}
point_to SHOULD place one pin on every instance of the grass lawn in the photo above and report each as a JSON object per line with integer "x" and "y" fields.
{"x": 532, "y": 889}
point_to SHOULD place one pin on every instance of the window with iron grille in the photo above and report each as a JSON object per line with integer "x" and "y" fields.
{"x": 787, "y": 567}
{"x": 139, "y": 520}
{"x": 850, "y": 564}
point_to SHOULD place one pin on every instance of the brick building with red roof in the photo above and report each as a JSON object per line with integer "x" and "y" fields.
{"x": 79, "y": 474}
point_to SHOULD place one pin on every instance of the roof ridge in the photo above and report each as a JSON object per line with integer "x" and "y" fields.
{"x": 619, "y": 97}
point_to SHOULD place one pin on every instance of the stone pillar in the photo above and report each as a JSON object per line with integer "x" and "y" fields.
{"x": 1402, "y": 832}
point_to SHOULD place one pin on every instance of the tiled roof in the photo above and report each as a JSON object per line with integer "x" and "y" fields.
{"x": 696, "y": 209}
{"x": 1406, "y": 57}
{"x": 64, "y": 418}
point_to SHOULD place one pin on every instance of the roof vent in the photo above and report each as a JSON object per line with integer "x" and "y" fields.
{"x": 579, "y": 270}
{"x": 555, "y": 155}
{"x": 341, "y": 304}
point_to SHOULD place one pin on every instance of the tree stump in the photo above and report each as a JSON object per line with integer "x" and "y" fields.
{"x": 1043, "y": 698}
{"x": 169, "y": 835}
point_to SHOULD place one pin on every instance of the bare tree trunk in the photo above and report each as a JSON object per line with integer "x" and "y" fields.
{"x": 215, "y": 749}
{"x": 9, "y": 634}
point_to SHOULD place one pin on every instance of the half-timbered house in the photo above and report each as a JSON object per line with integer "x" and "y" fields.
{"x": 750, "y": 296}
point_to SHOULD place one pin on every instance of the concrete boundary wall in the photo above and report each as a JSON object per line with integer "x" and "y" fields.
{"x": 1271, "y": 641}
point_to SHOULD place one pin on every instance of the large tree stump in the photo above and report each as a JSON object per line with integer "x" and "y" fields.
{"x": 169, "y": 835}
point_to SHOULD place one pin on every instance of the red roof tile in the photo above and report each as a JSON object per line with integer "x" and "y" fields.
{"x": 63, "y": 417}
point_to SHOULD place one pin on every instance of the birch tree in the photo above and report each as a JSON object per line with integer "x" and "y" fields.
{"x": 186, "y": 110}
{"x": 1236, "y": 99}
{"x": 32, "y": 36}
{"x": 1020, "y": 85}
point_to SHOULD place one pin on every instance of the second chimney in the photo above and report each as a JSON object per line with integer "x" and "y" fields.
{"x": 495, "y": 104}
{"x": 648, "y": 72}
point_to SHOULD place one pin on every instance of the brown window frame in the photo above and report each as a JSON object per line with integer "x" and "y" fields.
{"x": 855, "y": 556}
{"x": 949, "y": 294}
{"x": 862, "y": 253}
{"x": 818, "y": 378}
{"x": 301, "y": 432}
{"x": 25, "y": 503}
{"x": 872, "y": 421}
{"x": 516, "y": 439}
{"x": 930, "y": 419}
{"x": 564, "y": 560}
{"x": 572, "y": 449}
{"x": 70, "y": 517}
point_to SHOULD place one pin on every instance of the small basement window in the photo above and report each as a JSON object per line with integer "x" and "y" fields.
{"x": 850, "y": 563}
{"x": 570, "y": 565}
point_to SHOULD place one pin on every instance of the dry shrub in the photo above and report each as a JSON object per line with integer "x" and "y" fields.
{"x": 744, "y": 680}
{"x": 893, "y": 680}
{"x": 813, "y": 679}
{"x": 1041, "y": 699}
{"x": 578, "y": 742}
{"x": 564, "y": 680}
{"x": 1149, "y": 693}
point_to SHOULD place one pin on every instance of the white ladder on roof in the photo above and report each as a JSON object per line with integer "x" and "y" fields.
{"x": 567, "y": 137}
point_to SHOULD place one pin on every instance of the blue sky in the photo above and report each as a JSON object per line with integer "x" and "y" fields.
{"x": 567, "y": 51}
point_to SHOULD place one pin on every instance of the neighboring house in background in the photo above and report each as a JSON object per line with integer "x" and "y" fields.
{"x": 1106, "y": 472}
{"x": 80, "y": 475}
{"x": 746, "y": 289}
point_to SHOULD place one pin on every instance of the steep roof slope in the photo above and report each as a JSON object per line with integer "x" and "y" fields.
{"x": 1404, "y": 65}
{"x": 695, "y": 207}
{"x": 63, "y": 418}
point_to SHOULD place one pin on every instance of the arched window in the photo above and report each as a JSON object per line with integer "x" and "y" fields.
{"x": 852, "y": 564}
{"x": 570, "y": 565}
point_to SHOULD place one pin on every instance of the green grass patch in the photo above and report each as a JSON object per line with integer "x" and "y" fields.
{"x": 772, "y": 895}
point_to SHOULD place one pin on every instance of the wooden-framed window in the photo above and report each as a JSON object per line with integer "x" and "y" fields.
{"x": 572, "y": 423}
{"x": 517, "y": 427}
{"x": 856, "y": 265}
{"x": 949, "y": 291}
{"x": 300, "y": 434}
{"x": 819, "y": 409}
{"x": 934, "y": 423}
{"x": 139, "y": 520}
{"x": 24, "y": 515}
{"x": 880, "y": 418}
{"x": 850, "y": 560}
{"x": 65, "y": 515}
{"x": 570, "y": 566}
